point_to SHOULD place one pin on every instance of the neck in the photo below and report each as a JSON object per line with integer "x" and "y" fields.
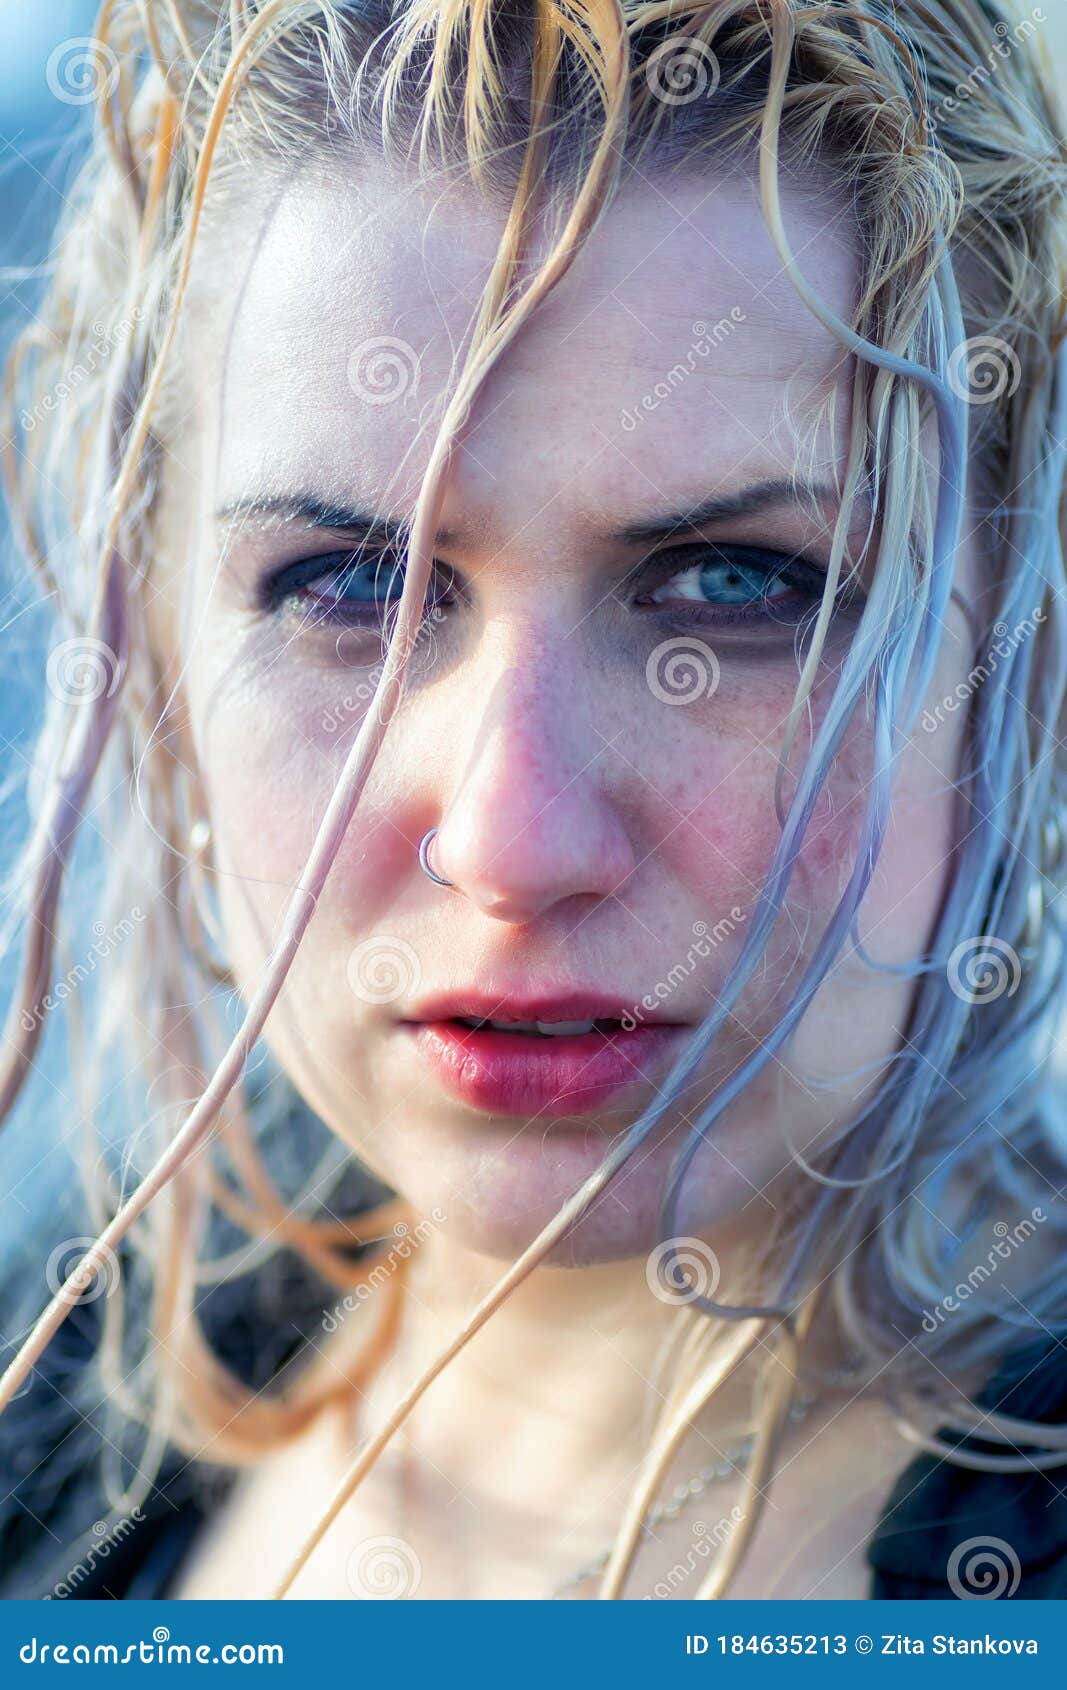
{"x": 549, "y": 1411}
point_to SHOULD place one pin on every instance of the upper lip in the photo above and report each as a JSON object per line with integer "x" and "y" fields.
{"x": 505, "y": 1005}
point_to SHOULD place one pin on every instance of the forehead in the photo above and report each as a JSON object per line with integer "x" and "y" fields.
{"x": 674, "y": 356}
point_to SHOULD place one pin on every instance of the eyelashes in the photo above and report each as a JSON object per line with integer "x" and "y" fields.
{"x": 733, "y": 583}
{"x": 347, "y": 589}
{"x": 375, "y": 579}
{"x": 720, "y": 585}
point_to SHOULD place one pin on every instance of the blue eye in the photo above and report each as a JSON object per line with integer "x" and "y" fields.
{"x": 366, "y": 583}
{"x": 734, "y": 583}
{"x": 350, "y": 586}
{"x": 735, "y": 578}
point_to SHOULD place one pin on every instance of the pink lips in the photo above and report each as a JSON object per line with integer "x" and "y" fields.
{"x": 514, "y": 1074}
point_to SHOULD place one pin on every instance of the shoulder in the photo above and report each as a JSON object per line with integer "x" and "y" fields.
{"x": 954, "y": 1531}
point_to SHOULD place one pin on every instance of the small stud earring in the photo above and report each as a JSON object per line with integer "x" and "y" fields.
{"x": 199, "y": 839}
{"x": 200, "y": 836}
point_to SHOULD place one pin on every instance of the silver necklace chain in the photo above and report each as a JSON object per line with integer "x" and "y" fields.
{"x": 716, "y": 1472}
{"x": 732, "y": 1462}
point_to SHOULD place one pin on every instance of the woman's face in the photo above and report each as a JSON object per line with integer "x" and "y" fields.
{"x": 595, "y": 710}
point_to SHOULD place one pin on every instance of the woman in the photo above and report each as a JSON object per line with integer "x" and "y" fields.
{"x": 565, "y": 643}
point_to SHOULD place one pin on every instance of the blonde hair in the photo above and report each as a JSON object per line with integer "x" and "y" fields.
{"x": 547, "y": 105}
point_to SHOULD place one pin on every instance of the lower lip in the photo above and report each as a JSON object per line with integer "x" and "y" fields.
{"x": 510, "y": 1074}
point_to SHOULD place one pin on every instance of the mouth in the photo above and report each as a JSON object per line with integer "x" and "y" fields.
{"x": 605, "y": 1025}
{"x": 551, "y": 1060}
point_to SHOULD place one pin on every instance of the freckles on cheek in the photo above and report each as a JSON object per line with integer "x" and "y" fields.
{"x": 833, "y": 836}
{"x": 719, "y": 832}
{"x": 720, "y": 828}
{"x": 709, "y": 808}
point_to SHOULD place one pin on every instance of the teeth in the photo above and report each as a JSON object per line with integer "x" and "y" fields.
{"x": 549, "y": 1029}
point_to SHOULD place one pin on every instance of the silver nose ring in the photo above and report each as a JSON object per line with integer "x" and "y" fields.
{"x": 424, "y": 859}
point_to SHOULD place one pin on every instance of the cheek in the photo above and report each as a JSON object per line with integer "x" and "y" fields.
{"x": 269, "y": 787}
{"x": 269, "y": 779}
{"x": 272, "y": 756}
{"x": 719, "y": 840}
{"x": 715, "y": 817}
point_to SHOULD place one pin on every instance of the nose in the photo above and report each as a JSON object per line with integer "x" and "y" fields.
{"x": 530, "y": 822}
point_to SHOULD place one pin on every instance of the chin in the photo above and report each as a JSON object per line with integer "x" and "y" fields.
{"x": 495, "y": 1185}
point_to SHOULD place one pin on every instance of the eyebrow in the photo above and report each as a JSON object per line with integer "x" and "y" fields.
{"x": 317, "y": 511}
{"x": 722, "y": 507}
